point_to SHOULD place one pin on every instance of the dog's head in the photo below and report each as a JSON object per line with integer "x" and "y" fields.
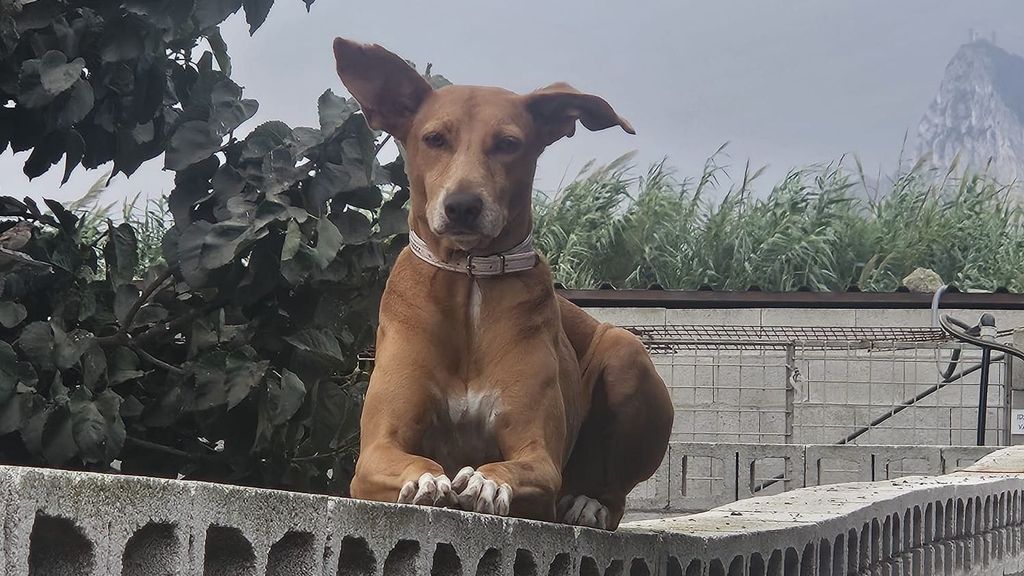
{"x": 471, "y": 152}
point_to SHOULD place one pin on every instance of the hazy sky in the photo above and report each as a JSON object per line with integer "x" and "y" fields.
{"x": 787, "y": 83}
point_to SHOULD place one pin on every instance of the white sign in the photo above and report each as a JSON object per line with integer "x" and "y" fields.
{"x": 1017, "y": 420}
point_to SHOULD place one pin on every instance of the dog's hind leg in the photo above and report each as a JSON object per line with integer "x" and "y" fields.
{"x": 624, "y": 437}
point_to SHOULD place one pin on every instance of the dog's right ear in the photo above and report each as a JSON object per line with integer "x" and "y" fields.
{"x": 388, "y": 89}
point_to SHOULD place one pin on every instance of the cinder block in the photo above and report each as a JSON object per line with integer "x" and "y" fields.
{"x": 765, "y": 465}
{"x": 78, "y": 523}
{"x": 819, "y": 459}
{"x": 690, "y": 461}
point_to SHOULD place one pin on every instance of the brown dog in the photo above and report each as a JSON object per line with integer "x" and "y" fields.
{"x": 482, "y": 372}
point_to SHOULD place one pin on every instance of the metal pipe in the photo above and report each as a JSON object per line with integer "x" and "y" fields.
{"x": 986, "y": 358}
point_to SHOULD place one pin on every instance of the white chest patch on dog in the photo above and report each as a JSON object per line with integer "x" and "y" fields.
{"x": 476, "y": 299}
{"x": 463, "y": 435}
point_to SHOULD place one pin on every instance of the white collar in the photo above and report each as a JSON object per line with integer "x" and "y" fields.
{"x": 519, "y": 258}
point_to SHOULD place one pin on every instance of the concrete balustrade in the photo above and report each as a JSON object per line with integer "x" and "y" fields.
{"x": 69, "y": 523}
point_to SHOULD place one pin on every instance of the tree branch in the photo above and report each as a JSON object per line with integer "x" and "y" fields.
{"x": 160, "y": 448}
{"x": 154, "y": 360}
{"x": 144, "y": 297}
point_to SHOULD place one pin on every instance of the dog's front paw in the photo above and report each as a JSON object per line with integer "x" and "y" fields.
{"x": 477, "y": 493}
{"x": 583, "y": 511}
{"x": 428, "y": 490}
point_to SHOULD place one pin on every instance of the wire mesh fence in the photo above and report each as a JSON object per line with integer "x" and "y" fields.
{"x": 828, "y": 385}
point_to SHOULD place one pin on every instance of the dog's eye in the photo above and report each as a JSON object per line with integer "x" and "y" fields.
{"x": 435, "y": 140}
{"x": 507, "y": 145}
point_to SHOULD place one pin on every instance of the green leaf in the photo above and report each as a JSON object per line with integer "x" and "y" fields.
{"x": 292, "y": 241}
{"x": 256, "y": 12}
{"x": 120, "y": 44}
{"x": 68, "y": 348}
{"x": 335, "y": 179}
{"x": 44, "y": 155}
{"x": 210, "y": 376}
{"x": 328, "y": 242}
{"x": 368, "y": 198}
{"x": 57, "y": 438}
{"x": 121, "y": 254}
{"x": 317, "y": 341}
{"x": 74, "y": 152}
{"x": 393, "y": 219}
{"x": 16, "y": 411}
{"x": 87, "y": 426}
{"x": 78, "y": 105}
{"x": 204, "y": 247}
{"x": 45, "y": 78}
{"x": 36, "y": 341}
{"x": 220, "y": 50}
{"x": 164, "y": 14}
{"x": 334, "y": 414}
{"x": 124, "y": 299}
{"x": 94, "y": 367}
{"x": 13, "y": 372}
{"x": 175, "y": 402}
{"x": 123, "y": 366}
{"x": 212, "y": 12}
{"x": 68, "y": 221}
{"x": 192, "y": 141}
{"x": 243, "y": 374}
{"x": 355, "y": 227}
{"x": 282, "y": 400}
{"x": 334, "y": 111}
{"x": 287, "y": 399}
{"x": 96, "y": 425}
{"x": 228, "y": 110}
{"x": 12, "y": 314}
{"x": 109, "y": 405}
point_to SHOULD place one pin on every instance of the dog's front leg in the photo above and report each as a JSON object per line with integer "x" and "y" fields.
{"x": 395, "y": 412}
{"x": 525, "y": 488}
{"x": 386, "y": 473}
{"x": 530, "y": 431}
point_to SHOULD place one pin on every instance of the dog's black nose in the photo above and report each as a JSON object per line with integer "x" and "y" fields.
{"x": 463, "y": 208}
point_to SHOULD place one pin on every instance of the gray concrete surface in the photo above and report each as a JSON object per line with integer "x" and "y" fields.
{"x": 698, "y": 476}
{"x": 60, "y": 523}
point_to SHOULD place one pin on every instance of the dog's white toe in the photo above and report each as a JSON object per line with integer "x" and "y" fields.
{"x": 477, "y": 493}
{"x": 428, "y": 490}
{"x": 583, "y": 511}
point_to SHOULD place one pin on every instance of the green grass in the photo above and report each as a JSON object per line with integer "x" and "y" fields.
{"x": 150, "y": 218}
{"x": 814, "y": 229}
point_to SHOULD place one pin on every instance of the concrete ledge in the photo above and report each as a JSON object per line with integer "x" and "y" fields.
{"x": 69, "y": 523}
{"x": 698, "y": 476}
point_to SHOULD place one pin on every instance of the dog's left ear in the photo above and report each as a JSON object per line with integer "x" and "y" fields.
{"x": 557, "y": 107}
{"x": 388, "y": 89}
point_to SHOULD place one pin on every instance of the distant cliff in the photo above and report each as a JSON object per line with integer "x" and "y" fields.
{"x": 978, "y": 112}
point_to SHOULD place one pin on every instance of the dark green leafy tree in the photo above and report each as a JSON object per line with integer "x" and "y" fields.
{"x": 234, "y": 357}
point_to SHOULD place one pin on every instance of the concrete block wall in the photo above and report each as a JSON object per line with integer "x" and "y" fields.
{"x": 699, "y": 476}
{"x": 60, "y": 523}
{"x": 740, "y": 396}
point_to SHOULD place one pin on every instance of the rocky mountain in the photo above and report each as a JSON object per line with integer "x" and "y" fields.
{"x": 978, "y": 112}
